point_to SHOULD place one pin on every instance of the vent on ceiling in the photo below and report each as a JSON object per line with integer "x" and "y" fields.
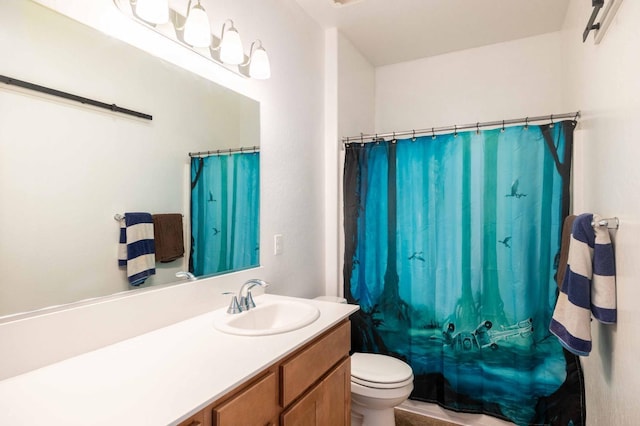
{"x": 340, "y": 3}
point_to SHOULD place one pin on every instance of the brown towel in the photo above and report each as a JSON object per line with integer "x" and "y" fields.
{"x": 564, "y": 249}
{"x": 167, "y": 229}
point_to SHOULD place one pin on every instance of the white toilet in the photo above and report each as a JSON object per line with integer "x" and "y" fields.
{"x": 378, "y": 384}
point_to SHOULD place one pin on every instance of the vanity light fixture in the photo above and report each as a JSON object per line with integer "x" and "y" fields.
{"x": 259, "y": 67}
{"x": 193, "y": 31}
{"x": 231, "y": 51}
{"x": 197, "y": 28}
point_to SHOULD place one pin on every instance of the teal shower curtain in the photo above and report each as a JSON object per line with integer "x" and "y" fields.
{"x": 451, "y": 247}
{"x": 225, "y": 206}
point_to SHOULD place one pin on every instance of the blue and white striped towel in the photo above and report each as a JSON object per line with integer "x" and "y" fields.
{"x": 589, "y": 286}
{"x": 136, "y": 250}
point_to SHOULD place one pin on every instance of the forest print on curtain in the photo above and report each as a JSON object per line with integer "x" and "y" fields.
{"x": 451, "y": 247}
{"x": 225, "y": 213}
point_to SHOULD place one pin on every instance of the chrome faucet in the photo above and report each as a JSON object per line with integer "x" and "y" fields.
{"x": 188, "y": 275}
{"x": 246, "y": 300}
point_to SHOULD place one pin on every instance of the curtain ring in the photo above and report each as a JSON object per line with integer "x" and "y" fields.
{"x": 526, "y": 123}
{"x": 394, "y": 138}
{"x": 433, "y": 133}
{"x": 577, "y": 116}
{"x": 552, "y": 123}
{"x": 455, "y": 130}
{"x": 477, "y": 128}
{"x": 361, "y": 139}
{"x": 502, "y": 129}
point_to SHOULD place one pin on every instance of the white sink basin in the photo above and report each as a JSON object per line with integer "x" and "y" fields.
{"x": 267, "y": 318}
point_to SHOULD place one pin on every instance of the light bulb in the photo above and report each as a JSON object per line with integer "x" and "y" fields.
{"x": 197, "y": 29}
{"x": 153, "y": 11}
{"x": 259, "y": 67}
{"x": 231, "y": 51}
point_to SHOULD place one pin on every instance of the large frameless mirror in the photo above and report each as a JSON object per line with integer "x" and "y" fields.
{"x": 67, "y": 170}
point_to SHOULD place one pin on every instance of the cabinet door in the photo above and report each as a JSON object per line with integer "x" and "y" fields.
{"x": 307, "y": 411}
{"x": 336, "y": 398}
{"x": 326, "y": 404}
{"x": 257, "y": 404}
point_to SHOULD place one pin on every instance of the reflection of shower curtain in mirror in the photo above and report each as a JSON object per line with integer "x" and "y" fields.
{"x": 451, "y": 246}
{"x": 225, "y": 200}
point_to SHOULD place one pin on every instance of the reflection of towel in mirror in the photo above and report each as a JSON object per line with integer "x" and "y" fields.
{"x": 167, "y": 229}
{"x": 137, "y": 247}
{"x": 589, "y": 286}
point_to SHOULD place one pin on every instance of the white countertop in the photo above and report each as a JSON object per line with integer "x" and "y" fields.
{"x": 158, "y": 378}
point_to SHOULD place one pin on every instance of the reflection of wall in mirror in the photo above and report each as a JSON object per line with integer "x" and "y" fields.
{"x": 66, "y": 169}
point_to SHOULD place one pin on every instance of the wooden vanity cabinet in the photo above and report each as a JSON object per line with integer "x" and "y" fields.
{"x": 327, "y": 403}
{"x": 312, "y": 386}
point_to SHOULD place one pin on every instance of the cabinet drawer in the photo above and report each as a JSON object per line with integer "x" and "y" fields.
{"x": 308, "y": 366}
{"x": 257, "y": 404}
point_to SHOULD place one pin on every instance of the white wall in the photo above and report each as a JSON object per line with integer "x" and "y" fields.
{"x": 603, "y": 82}
{"x": 292, "y": 183}
{"x": 507, "y": 80}
{"x": 356, "y": 92}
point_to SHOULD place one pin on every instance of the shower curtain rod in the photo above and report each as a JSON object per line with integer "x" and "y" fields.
{"x": 367, "y": 138}
{"x": 247, "y": 149}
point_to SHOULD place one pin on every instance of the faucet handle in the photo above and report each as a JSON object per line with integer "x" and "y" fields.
{"x": 234, "y": 306}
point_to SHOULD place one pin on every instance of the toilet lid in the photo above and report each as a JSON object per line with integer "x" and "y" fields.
{"x": 379, "y": 369}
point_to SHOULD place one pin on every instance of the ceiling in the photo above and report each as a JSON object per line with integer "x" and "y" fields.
{"x": 392, "y": 31}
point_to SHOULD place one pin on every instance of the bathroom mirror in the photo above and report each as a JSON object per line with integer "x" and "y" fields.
{"x": 67, "y": 169}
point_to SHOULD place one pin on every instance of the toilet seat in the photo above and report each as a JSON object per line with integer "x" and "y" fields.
{"x": 379, "y": 371}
